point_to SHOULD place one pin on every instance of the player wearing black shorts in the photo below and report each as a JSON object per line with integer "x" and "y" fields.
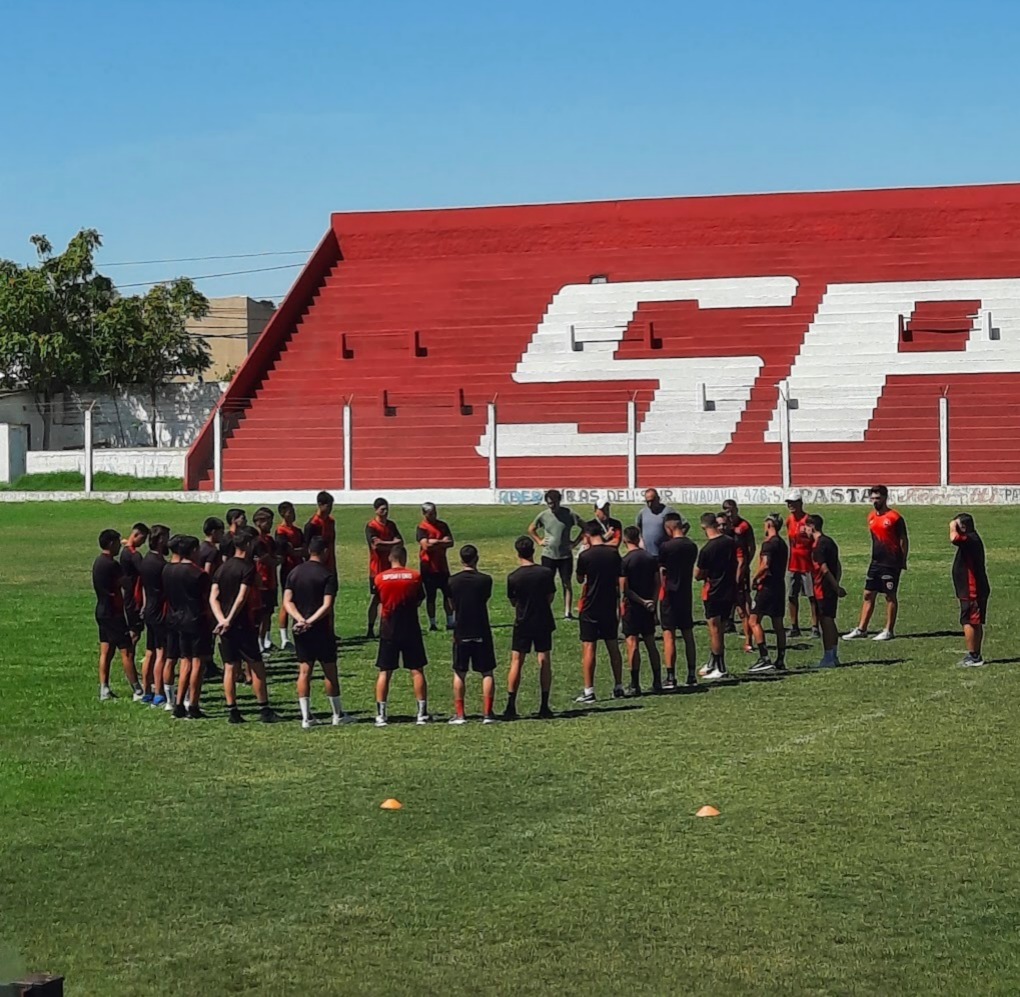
{"x": 293, "y": 556}
{"x": 470, "y": 591}
{"x": 598, "y": 571}
{"x": 107, "y": 578}
{"x": 130, "y": 560}
{"x": 308, "y": 598}
{"x": 769, "y": 587}
{"x": 970, "y": 581}
{"x": 209, "y": 559}
{"x": 235, "y": 604}
{"x": 186, "y": 590}
{"x": 381, "y": 535}
{"x": 716, "y": 569}
{"x": 639, "y": 587}
{"x": 677, "y": 557}
{"x": 400, "y": 593}
{"x": 154, "y": 615}
{"x": 434, "y": 539}
{"x": 557, "y": 522}
{"x": 531, "y": 589}
{"x": 826, "y": 575}
{"x": 266, "y": 565}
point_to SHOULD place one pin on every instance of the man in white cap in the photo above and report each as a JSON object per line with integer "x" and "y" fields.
{"x": 802, "y": 542}
{"x": 612, "y": 529}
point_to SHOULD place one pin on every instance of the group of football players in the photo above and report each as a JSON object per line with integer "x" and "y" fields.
{"x": 183, "y": 593}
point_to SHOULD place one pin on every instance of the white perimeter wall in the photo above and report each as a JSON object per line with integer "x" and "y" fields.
{"x": 140, "y": 462}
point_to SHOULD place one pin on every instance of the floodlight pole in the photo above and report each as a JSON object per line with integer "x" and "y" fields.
{"x": 784, "y": 438}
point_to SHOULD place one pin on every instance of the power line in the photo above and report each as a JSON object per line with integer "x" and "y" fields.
{"x": 210, "y": 277}
{"x": 198, "y": 259}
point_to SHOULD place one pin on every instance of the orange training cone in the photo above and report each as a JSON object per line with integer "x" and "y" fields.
{"x": 704, "y": 812}
{"x": 391, "y": 805}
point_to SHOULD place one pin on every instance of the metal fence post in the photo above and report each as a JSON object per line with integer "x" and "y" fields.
{"x": 348, "y": 446}
{"x": 784, "y": 438}
{"x": 88, "y": 449}
{"x": 632, "y": 443}
{"x": 218, "y": 450}
{"x": 944, "y": 440}
{"x": 492, "y": 446}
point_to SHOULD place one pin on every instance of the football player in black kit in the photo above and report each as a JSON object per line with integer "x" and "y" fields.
{"x": 598, "y": 571}
{"x": 639, "y": 588}
{"x": 769, "y": 591}
{"x": 531, "y": 589}
{"x": 470, "y": 591}
{"x": 677, "y": 556}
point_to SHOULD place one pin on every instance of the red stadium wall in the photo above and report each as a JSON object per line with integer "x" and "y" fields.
{"x": 864, "y": 306}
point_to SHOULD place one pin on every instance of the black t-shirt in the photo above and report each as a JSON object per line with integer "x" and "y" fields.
{"x": 778, "y": 554}
{"x": 970, "y": 577}
{"x": 470, "y": 592}
{"x": 186, "y": 588}
{"x": 152, "y": 568}
{"x": 229, "y": 578}
{"x": 598, "y": 568}
{"x": 208, "y": 554}
{"x": 106, "y": 581}
{"x": 825, "y": 552}
{"x": 677, "y": 557}
{"x": 529, "y": 588}
{"x": 612, "y": 529}
{"x": 309, "y": 584}
{"x": 642, "y": 573}
{"x": 130, "y": 562}
{"x": 718, "y": 563}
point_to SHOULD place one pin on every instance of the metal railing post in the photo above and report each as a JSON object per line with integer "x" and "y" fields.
{"x": 218, "y": 450}
{"x": 348, "y": 446}
{"x": 88, "y": 449}
{"x": 632, "y": 443}
{"x": 784, "y": 439}
{"x": 944, "y": 440}
{"x": 493, "y": 434}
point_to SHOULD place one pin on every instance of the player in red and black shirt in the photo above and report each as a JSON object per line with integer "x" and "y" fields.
{"x": 434, "y": 539}
{"x": 266, "y": 564}
{"x": 308, "y": 598}
{"x": 154, "y": 614}
{"x": 716, "y": 569}
{"x": 743, "y": 536}
{"x": 130, "y": 559}
{"x": 639, "y": 588}
{"x": 470, "y": 591}
{"x": 889, "y": 549}
{"x": 970, "y": 580}
{"x": 598, "y": 571}
{"x": 770, "y": 597}
{"x": 236, "y": 607}
{"x": 400, "y": 592}
{"x": 294, "y": 556}
{"x": 323, "y": 525}
{"x": 382, "y": 535}
{"x": 209, "y": 558}
{"x": 107, "y": 583}
{"x": 612, "y": 529}
{"x": 826, "y": 575}
{"x": 530, "y": 589}
{"x": 799, "y": 537}
{"x": 678, "y": 555}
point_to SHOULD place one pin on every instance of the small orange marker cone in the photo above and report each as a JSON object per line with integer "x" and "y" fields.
{"x": 391, "y": 805}
{"x": 707, "y": 812}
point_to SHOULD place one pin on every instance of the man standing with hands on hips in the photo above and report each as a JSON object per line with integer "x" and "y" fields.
{"x": 556, "y": 523}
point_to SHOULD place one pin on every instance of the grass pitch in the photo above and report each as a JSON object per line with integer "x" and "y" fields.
{"x": 867, "y": 842}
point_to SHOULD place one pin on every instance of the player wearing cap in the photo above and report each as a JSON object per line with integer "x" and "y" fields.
{"x": 434, "y": 539}
{"x": 889, "y": 549}
{"x": 308, "y": 599}
{"x": 639, "y": 587}
{"x": 970, "y": 580}
{"x": 470, "y": 591}
{"x": 770, "y": 597}
{"x": 826, "y": 575}
{"x": 400, "y": 592}
{"x": 801, "y": 543}
{"x": 382, "y": 535}
{"x": 294, "y": 537}
{"x": 716, "y": 569}
{"x": 678, "y": 555}
{"x": 612, "y": 529}
{"x": 107, "y": 583}
{"x": 530, "y": 589}
{"x": 557, "y": 523}
{"x": 598, "y": 571}
{"x": 650, "y": 521}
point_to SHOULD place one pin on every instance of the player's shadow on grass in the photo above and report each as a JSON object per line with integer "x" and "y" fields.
{"x": 1002, "y": 661}
{"x": 929, "y": 635}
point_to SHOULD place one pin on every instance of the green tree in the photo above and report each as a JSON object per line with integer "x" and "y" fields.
{"x": 48, "y": 314}
{"x": 145, "y": 340}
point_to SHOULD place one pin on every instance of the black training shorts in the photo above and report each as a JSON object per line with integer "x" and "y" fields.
{"x": 973, "y": 612}
{"x": 195, "y": 643}
{"x": 562, "y": 566}
{"x": 592, "y": 629}
{"x": 718, "y": 607}
{"x": 673, "y": 617}
{"x": 828, "y": 606}
{"x": 524, "y": 641}
{"x": 769, "y": 602}
{"x": 636, "y": 621}
{"x": 476, "y": 653}
{"x": 406, "y": 649}
{"x": 115, "y": 633}
{"x": 433, "y": 583}
{"x": 155, "y": 636}
{"x": 317, "y": 644}
{"x": 240, "y": 643}
{"x": 882, "y": 579}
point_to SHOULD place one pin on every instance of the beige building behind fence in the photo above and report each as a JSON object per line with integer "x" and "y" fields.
{"x": 230, "y": 329}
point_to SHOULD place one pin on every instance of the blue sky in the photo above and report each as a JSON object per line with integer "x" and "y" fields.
{"x": 203, "y": 129}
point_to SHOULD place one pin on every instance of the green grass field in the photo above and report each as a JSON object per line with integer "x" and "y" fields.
{"x": 867, "y": 843}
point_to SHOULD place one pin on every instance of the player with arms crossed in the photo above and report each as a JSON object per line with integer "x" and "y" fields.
{"x": 612, "y": 529}
{"x": 598, "y": 571}
{"x": 470, "y": 591}
{"x": 639, "y": 586}
{"x": 828, "y": 591}
{"x": 434, "y": 540}
{"x": 678, "y": 555}
{"x": 382, "y": 536}
{"x": 770, "y": 597}
{"x": 716, "y": 569}
{"x": 889, "y": 549}
{"x": 801, "y": 543}
{"x": 970, "y": 580}
{"x": 531, "y": 589}
{"x": 556, "y": 523}
{"x": 308, "y": 599}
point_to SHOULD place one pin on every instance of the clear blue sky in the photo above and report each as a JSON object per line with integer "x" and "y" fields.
{"x": 200, "y": 129}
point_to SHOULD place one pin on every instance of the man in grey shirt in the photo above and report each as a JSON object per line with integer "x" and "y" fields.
{"x": 556, "y": 523}
{"x": 649, "y": 522}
